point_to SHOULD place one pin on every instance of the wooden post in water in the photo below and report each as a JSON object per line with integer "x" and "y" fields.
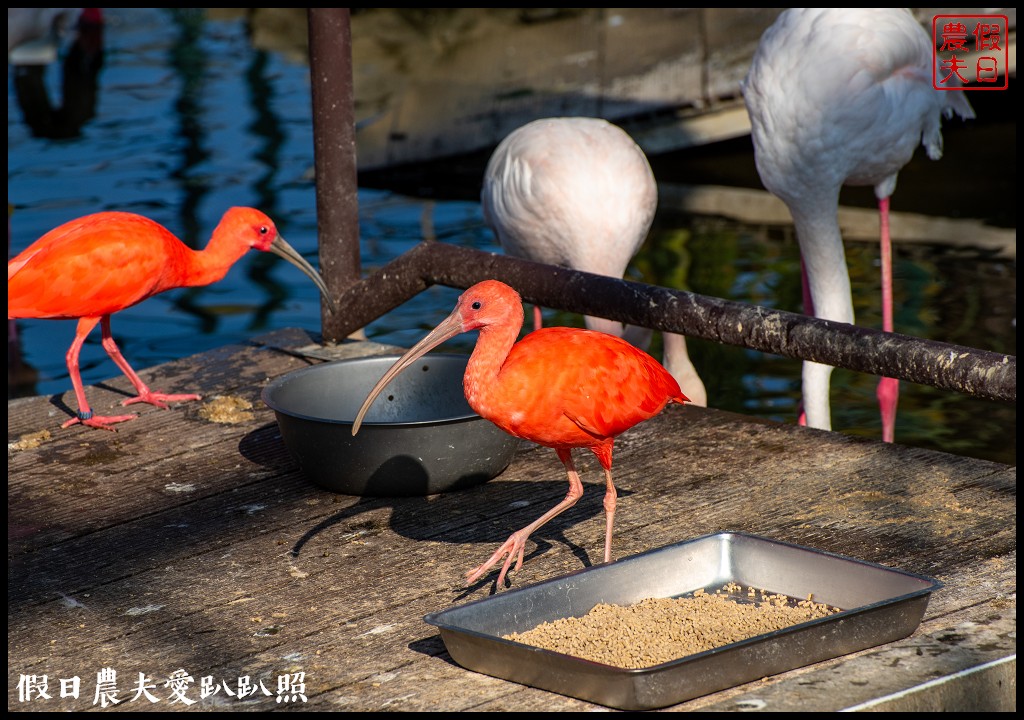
{"x": 334, "y": 148}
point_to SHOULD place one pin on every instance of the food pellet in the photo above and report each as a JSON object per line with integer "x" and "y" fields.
{"x": 657, "y": 630}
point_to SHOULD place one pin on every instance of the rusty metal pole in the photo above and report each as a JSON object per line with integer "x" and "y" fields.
{"x": 334, "y": 148}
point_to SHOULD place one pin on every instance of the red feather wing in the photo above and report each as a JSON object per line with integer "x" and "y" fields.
{"x": 596, "y": 383}
{"x": 89, "y": 267}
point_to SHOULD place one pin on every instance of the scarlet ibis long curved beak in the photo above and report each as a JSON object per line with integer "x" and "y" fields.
{"x": 282, "y": 249}
{"x": 449, "y": 327}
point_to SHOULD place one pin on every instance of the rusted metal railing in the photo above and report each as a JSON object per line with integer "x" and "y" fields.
{"x": 957, "y": 368}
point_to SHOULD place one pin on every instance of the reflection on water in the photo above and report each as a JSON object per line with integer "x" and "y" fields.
{"x": 63, "y": 116}
{"x": 190, "y": 119}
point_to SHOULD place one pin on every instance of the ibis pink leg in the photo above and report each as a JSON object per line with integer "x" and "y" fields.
{"x": 609, "y": 513}
{"x": 144, "y": 393}
{"x": 515, "y": 546}
{"x": 85, "y": 415}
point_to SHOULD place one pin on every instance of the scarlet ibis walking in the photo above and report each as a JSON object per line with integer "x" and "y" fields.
{"x": 563, "y": 388}
{"x": 578, "y": 192}
{"x": 842, "y": 96}
{"x": 96, "y": 265}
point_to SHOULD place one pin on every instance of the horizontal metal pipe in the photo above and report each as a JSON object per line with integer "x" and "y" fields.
{"x": 979, "y": 373}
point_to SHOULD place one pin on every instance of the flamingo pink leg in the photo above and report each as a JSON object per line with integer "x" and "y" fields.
{"x": 85, "y": 415}
{"x": 538, "y": 318}
{"x": 144, "y": 393}
{"x": 515, "y": 546}
{"x": 888, "y": 388}
{"x": 808, "y": 310}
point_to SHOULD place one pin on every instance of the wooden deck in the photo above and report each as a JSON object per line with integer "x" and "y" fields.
{"x": 188, "y": 543}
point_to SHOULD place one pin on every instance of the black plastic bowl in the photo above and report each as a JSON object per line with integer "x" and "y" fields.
{"x": 420, "y": 436}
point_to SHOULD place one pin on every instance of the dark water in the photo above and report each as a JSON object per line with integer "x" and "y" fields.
{"x": 188, "y": 119}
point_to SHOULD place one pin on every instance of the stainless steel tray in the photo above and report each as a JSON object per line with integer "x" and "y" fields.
{"x": 879, "y": 605}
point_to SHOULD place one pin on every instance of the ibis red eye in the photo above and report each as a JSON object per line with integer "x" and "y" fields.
{"x": 476, "y": 305}
{"x": 264, "y": 230}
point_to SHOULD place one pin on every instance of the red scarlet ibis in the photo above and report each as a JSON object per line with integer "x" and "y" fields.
{"x": 578, "y": 192}
{"x": 842, "y": 96}
{"x": 563, "y": 388}
{"x": 96, "y": 265}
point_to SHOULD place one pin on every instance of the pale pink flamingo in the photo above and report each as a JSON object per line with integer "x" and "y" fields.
{"x": 842, "y": 96}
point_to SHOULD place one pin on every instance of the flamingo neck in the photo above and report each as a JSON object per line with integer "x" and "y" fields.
{"x": 824, "y": 258}
{"x": 827, "y": 278}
